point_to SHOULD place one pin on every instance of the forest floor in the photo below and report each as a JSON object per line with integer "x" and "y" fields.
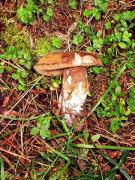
{"x": 35, "y": 143}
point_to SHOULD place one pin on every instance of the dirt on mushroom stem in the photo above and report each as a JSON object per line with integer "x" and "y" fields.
{"x": 75, "y": 89}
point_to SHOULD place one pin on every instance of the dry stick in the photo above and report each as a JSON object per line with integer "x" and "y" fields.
{"x": 120, "y": 140}
{"x": 128, "y": 2}
{"x": 8, "y": 162}
{"x": 17, "y": 67}
{"x": 27, "y": 103}
{"x": 22, "y": 96}
{"x": 18, "y": 119}
{"x": 14, "y": 154}
{"x": 115, "y": 140}
{"x": 4, "y": 83}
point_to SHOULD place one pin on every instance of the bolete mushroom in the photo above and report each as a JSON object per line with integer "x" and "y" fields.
{"x": 75, "y": 88}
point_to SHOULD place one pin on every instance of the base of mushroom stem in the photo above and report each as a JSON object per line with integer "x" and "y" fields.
{"x": 72, "y": 119}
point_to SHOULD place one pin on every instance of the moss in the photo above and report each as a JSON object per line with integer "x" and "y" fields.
{"x": 13, "y": 35}
{"x": 43, "y": 46}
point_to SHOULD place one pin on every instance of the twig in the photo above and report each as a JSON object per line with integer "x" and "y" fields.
{"x": 15, "y": 155}
{"x": 19, "y": 119}
{"x": 20, "y": 68}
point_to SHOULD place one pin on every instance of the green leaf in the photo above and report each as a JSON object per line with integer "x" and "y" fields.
{"x": 128, "y": 15}
{"x": 22, "y": 61}
{"x": 131, "y": 64}
{"x": 11, "y": 53}
{"x": 108, "y": 25}
{"x": 43, "y": 46}
{"x": 87, "y": 13}
{"x": 98, "y": 43}
{"x": 44, "y": 129}
{"x": 86, "y": 135}
{"x": 72, "y": 4}
{"x": 117, "y": 166}
{"x": 105, "y": 59}
{"x": 11, "y": 50}
{"x": 118, "y": 36}
{"x": 123, "y": 45}
{"x": 77, "y": 40}
{"x": 46, "y": 18}
{"x": 116, "y": 123}
{"x": 133, "y": 74}
{"x": 126, "y": 36}
{"x": 21, "y": 87}
{"x": 102, "y": 5}
{"x": 111, "y": 173}
{"x": 51, "y": 2}
{"x": 89, "y": 49}
{"x": 44, "y": 132}
{"x": 131, "y": 99}
{"x": 49, "y": 12}
{"x": 116, "y": 17}
{"x": 96, "y": 13}
{"x": 40, "y": 121}
{"x": 24, "y": 74}
{"x": 16, "y": 76}
{"x": 28, "y": 65}
{"x": 125, "y": 174}
{"x": 26, "y": 54}
{"x": 55, "y": 82}
{"x": 25, "y": 15}
{"x": 46, "y": 156}
{"x": 113, "y": 98}
{"x": 1, "y": 69}
{"x": 34, "y": 131}
{"x": 95, "y": 137}
{"x": 121, "y": 106}
{"x": 118, "y": 91}
{"x": 56, "y": 42}
{"x": 123, "y": 24}
{"x": 96, "y": 70}
{"x": 21, "y": 81}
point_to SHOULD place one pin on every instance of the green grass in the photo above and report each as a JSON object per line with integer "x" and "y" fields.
{"x": 2, "y": 171}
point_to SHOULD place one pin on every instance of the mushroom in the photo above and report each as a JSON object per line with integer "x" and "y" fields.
{"x": 75, "y": 88}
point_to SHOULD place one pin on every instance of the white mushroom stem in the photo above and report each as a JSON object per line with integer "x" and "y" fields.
{"x": 75, "y": 89}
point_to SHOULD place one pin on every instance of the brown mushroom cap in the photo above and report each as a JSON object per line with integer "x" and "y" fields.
{"x": 54, "y": 63}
